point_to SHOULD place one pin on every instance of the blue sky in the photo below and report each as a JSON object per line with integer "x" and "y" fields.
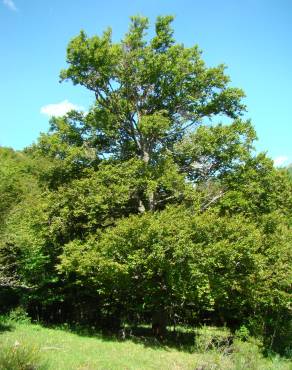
{"x": 252, "y": 37}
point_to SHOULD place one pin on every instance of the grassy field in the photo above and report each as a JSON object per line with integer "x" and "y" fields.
{"x": 27, "y": 346}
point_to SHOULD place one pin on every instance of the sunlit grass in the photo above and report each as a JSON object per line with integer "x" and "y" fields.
{"x": 62, "y": 350}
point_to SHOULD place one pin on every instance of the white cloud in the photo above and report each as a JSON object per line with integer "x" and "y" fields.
{"x": 10, "y": 4}
{"x": 278, "y": 161}
{"x": 59, "y": 109}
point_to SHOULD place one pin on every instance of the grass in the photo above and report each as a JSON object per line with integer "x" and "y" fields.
{"x": 21, "y": 357}
{"x": 60, "y": 349}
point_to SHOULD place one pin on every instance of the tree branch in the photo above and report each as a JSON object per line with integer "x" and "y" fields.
{"x": 213, "y": 200}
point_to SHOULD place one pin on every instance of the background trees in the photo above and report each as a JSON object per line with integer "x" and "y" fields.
{"x": 144, "y": 209}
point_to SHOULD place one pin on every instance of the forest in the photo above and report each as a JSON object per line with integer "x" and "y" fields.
{"x": 152, "y": 208}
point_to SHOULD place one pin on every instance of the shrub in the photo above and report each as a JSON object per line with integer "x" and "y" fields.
{"x": 243, "y": 355}
{"x": 20, "y": 357}
{"x": 213, "y": 339}
{"x": 19, "y": 315}
{"x": 242, "y": 333}
{"x": 246, "y": 356}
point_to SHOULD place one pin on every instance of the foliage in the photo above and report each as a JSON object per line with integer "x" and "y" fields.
{"x": 19, "y": 315}
{"x": 146, "y": 92}
{"x": 147, "y": 208}
{"x": 213, "y": 339}
{"x": 189, "y": 265}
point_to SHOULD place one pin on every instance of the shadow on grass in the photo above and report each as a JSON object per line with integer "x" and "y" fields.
{"x": 4, "y": 326}
{"x": 181, "y": 339}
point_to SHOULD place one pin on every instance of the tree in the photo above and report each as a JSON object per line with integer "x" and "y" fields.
{"x": 148, "y": 93}
{"x": 177, "y": 264}
{"x": 147, "y": 207}
{"x": 18, "y": 190}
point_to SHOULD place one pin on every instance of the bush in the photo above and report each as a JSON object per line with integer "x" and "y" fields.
{"x": 242, "y": 355}
{"x": 213, "y": 339}
{"x": 246, "y": 356}
{"x": 19, "y": 315}
{"x": 20, "y": 357}
{"x": 242, "y": 333}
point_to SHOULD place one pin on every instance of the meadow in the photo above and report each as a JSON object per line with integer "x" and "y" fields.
{"x": 27, "y": 346}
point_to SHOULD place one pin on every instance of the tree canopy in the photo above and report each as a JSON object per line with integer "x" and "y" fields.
{"x": 146, "y": 208}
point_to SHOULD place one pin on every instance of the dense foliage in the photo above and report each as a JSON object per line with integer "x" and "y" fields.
{"x": 143, "y": 209}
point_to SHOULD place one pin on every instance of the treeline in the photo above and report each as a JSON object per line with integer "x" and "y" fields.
{"x": 140, "y": 212}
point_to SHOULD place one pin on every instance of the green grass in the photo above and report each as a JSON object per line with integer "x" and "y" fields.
{"x": 58, "y": 349}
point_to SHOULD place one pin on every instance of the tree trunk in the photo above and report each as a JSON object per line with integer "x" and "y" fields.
{"x": 141, "y": 207}
{"x": 159, "y": 322}
{"x": 151, "y": 202}
{"x": 146, "y": 156}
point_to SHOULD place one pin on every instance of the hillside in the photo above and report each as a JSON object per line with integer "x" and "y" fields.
{"x": 60, "y": 349}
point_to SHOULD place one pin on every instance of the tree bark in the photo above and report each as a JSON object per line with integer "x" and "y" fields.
{"x": 141, "y": 207}
{"x": 151, "y": 201}
{"x": 159, "y": 322}
{"x": 146, "y": 156}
